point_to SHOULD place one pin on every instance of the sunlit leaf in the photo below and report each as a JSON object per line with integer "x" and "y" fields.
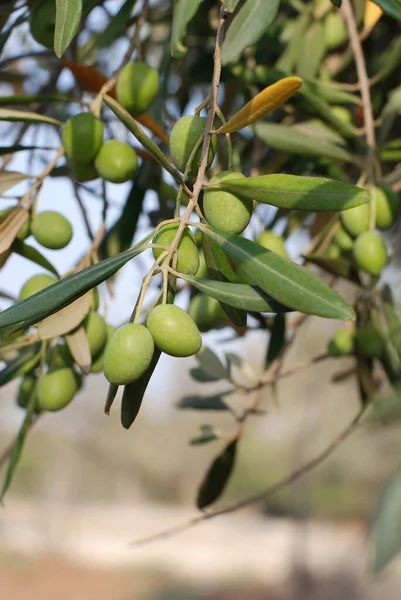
{"x": 68, "y": 16}
{"x": 183, "y": 13}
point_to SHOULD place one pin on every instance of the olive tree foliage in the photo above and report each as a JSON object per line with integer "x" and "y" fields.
{"x": 296, "y": 129}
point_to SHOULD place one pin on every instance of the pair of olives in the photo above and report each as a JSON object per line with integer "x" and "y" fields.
{"x": 130, "y": 350}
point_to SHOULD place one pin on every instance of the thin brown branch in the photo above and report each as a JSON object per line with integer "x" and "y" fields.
{"x": 77, "y": 194}
{"x": 364, "y": 83}
{"x": 260, "y": 496}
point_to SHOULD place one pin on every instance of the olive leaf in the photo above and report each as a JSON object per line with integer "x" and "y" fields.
{"x": 9, "y": 179}
{"x": 8, "y": 114}
{"x": 24, "y": 363}
{"x": 183, "y": 13}
{"x": 214, "y": 403}
{"x": 68, "y": 16}
{"x": 217, "y": 476}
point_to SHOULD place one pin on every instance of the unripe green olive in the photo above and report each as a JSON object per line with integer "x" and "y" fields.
{"x": 224, "y": 210}
{"x": 51, "y": 229}
{"x": 25, "y": 230}
{"x": 42, "y": 20}
{"x": 59, "y": 356}
{"x": 370, "y": 253}
{"x": 206, "y": 312}
{"x": 56, "y": 389}
{"x": 188, "y": 255}
{"x": 275, "y": 243}
{"x": 96, "y": 332}
{"x": 97, "y": 363}
{"x": 356, "y": 220}
{"x": 183, "y": 138}
{"x": 203, "y": 271}
{"x": 173, "y": 330}
{"x": 82, "y": 137}
{"x": 369, "y": 341}
{"x": 386, "y": 205}
{"x": 343, "y": 239}
{"x": 83, "y": 172}
{"x": 333, "y": 251}
{"x": 335, "y": 30}
{"x": 137, "y": 87}
{"x": 35, "y": 284}
{"x": 116, "y": 161}
{"x": 342, "y": 113}
{"x": 341, "y": 344}
{"x": 25, "y": 390}
{"x": 128, "y": 354}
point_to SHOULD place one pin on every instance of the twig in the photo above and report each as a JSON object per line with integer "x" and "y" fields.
{"x": 82, "y": 208}
{"x": 364, "y": 83}
{"x": 260, "y": 496}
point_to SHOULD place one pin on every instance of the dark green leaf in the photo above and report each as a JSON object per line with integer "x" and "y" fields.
{"x": 207, "y": 433}
{"x": 386, "y": 531}
{"x": 183, "y": 13}
{"x": 289, "y": 139}
{"x": 277, "y": 339}
{"x": 293, "y": 192}
{"x": 23, "y": 364}
{"x": 203, "y": 403}
{"x": 210, "y": 363}
{"x": 134, "y": 392}
{"x": 202, "y": 376}
{"x": 19, "y": 444}
{"x": 62, "y": 293}
{"x": 390, "y": 7}
{"x": 219, "y": 269}
{"x": 111, "y": 395}
{"x": 238, "y": 295}
{"x": 68, "y": 17}
{"x": 32, "y": 254}
{"x": 336, "y": 266}
{"x": 217, "y": 477}
{"x": 249, "y": 24}
{"x": 336, "y": 3}
{"x": 285, "y": 281}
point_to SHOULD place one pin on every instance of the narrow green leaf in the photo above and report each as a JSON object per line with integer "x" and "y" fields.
{"x": 141, "y": 136}
{"x": 32, "y": 98}
{"x": 24, "y": 363}
{"x": 249, "y": 24}
{"x": 317, "y": 105}
{"x": 386, "y": 531}
{"x": 219, "y": 269}
{"x": 8, "y": 114}
{"x": 293, "y": 192}
{"x": 210, "y": 363}
{"x": 9, "y": 179}
{"x": 238, "y": 295}
{"x": 390, "y": 7}
{"x": 217, "y": 476}
{"x": 183, "y": 13}
{"x": 277, "y": 339}
{"x": 16, "y": 148}
{"x": 312, "y": 51}
{"x": 336, "y": 266}
{"x": 32, "y": 254}
{"x": 290, "y": 139}
{"x": 203, "y": 403}
{"x": 68, "y": 17}
{"x": 202, "y": 376}
{"x": 285, "y": 281}
{"x": 19, "y": 444}
{"x": 114, "y": 28}
{"x": 65, "y": 291}
{"x": 207, "y": 433}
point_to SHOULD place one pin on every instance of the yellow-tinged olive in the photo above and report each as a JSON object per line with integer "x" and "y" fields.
{"x": 356, "y": 220}
{"x": 82, "y": 137}
{"x": 56, "y": 389}
{"x": 187, "y": 254}
{"x": 116, "y": 161}
{"x": 370, "y": 253}
{"x": 137, "y": 87}
{"x": 225, "y": 210}
{"x": 96, "y": 332}
{"x": 35, "y": 284}
{"x": 275, "y": 243}
{"x": 341, "y": 344}
{"x": 128, "y": 354}
{"x": 206, "y": 312}
{"x": 51, "y": 229}
{"x": 184, "y": 135}
{"x": 173, "y": 330}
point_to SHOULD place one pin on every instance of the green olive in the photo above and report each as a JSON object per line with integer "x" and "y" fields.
{"x": 333, "y": 251}
{"x": 356, "y": 220}
{"x": 128, "y": 354}
{"x": 82, "y": 138}
{"x": 335, "y": 30}
{"x": 188, "y": 255}
{"x": 137, "y": 87}
{"x": 275, "y": 243}
{"x": 83, "y": 172}
{"x": 96, "y": 332}
{"x": 343, "y": 240}
{"x": 369, "y": 341}
{"x": 370, "y": 253}
{"x": 116, "y": 162}
{"x": 184, "y": 135}
{"x": 56, "y": 389}
{"x": 51, "y": 229}
{"x": 97, "y": 363}
{"x": 206, "y": 313}
{"x": 25, "y": 230}
{"x": 386, "y": 205}
{"x": 341, "y": 344}
{"x": 173, "y": 330}
{"x": 224, "y": 210}
{"x": 35, "y": 284}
